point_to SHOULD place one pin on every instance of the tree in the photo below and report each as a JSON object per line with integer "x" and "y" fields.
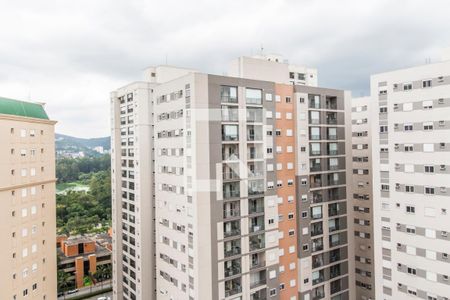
{"x": 63, "y": 282}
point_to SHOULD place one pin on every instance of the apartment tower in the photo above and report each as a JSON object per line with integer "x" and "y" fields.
{"x": 361, "y": 206}
{"x": 411, "y": 147}
{"x": 224, "y": 184}
{"x": 27, "y": 191}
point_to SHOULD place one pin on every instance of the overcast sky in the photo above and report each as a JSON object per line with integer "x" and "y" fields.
{"x": 71, "y": 54}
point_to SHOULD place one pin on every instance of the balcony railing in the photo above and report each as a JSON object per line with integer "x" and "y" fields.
{"x": 233, "y": 251}
{"x": 233, "y": 291}
{"x": 230, "y": 176}
{"x": 229, "y": 99}
{"x": 230, "y": 213}
{"x": 255, "y": 209}
{"x": 257, "y": 283}
{"x": 232, "y": 232}
{"x": 256, "y": 228}
{"x": 234, "y": 270}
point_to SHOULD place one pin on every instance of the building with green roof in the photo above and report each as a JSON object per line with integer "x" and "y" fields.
{"x": 22, "y": 109}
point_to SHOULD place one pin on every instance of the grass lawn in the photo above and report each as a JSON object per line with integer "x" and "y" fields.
{"x": 62, "y": 188}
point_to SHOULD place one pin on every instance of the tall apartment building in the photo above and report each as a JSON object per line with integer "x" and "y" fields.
{"x": 411, "y": 147}
{"x": 361, "y": 205}
{"x": 223, "y": 186}
{"x": 27, "y": 191}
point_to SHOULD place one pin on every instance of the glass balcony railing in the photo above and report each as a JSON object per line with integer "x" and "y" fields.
{"x": 233, "y": 270}
{"x": 232, "y": 251}
{"x": 230, "y": 213}
{"x": 232, "y": 232}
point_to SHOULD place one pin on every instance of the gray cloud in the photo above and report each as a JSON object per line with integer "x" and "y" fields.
{"x": 72, "y": 54}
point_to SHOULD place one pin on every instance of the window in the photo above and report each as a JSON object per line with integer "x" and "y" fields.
{"x": 409, "y": 188}
{"x": 409, "y": 148}
{"x": 253, "y": 96}
{"x": 427, "y": 125}
{"x": 23, "y": 133}
{"x": 427, "y": 104}
{"x": 410, "y": 209}
{"x": 408, "y": 127}
{"x": 383, "y": 129}
{"x": 429, "y": 169}
{"x": 407, "y": 86}
{"x": 411, "y": 271}
{"x": 429, "y": 190}
{"x": 288, "y": 99}
{"x": 426, "y": 83}
{"x": 383, "y": 109}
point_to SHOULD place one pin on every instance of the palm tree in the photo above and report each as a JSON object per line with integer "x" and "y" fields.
{"x": 63, "y": 281}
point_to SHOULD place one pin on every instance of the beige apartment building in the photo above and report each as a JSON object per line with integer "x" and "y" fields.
{"x": 231, "y": 187}
{"x": 411, "y": 177}
{"x": 27, "y": 191}
{"x": 361, "y": 206}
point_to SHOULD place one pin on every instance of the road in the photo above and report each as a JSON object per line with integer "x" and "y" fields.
{"x": 87, "y": 291}
{"x": 109, "y": 294}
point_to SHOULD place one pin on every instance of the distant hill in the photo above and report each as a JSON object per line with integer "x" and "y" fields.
{"x": 69, "y": 144}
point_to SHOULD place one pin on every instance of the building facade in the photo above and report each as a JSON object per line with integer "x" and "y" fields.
{"x": 322, "y": 144}
{"x": 82, "y": 257}
{"x": 361, "y": 206}
{"x": 27, "y": 191}
{"x": 226, "y": 183}
{"x": 411, "y": 144}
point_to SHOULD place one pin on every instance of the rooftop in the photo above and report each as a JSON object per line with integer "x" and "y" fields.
{"x": 22, "y": 108}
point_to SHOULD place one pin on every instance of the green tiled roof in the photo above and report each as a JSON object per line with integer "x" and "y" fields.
{"x": 21, "y": 108}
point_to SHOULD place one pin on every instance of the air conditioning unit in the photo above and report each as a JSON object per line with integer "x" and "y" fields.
{"x": 441, "y": 101}
{"x": 444, "y": 233}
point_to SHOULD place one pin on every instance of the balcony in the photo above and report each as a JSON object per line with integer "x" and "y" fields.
{"x": 232, "y": 228}
{"x": 230, "y": 114}
{"x": 317, "y": 245}
{"x": 334, "y": 255}
{"x": 317, "y": 261}
{"x": 233, "y": 287}
{"x": 230, "y": 152}
{"x": 334, "y": 225}
{"x": 231, "y": 209}
{"x": 256, "y": 206}
{"x": 231, "y": 190}
{"x": 331, "y": 102}
{"x": 316, "y": 212}
{"x": 228, "y": 94}
{"x": 256, "y": 242}
{"x": 230, "y": 133}
{"x": 231, "y": 175}
{"x": 232, "y": 267}
{"x": 254, "y": 133}
{"x": 314, "y": 101}
{"x": 316, "y": 197}
{"x": 256, "y": 224}
{"x": 318, "y": 293}
{"x": 255, "y": 151}
{"x": 253, "y": 96}
{"x": 318, "y": 277}
{"x": 257, "y": 260}
{"x": 331, "y": 118}
{"x": 257, "y": 279}
{"x": 334, "y": 240}
{"x": 232, "y": 248}
{"x": 259, "y": 295}
{"x": 256, "y": 187}
{"x": 316, "y": 228}
{"x": 254, "y": 115}
{"x": 255, "y": 169}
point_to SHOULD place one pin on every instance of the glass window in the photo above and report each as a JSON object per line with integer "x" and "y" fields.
{"x": 253, "y": 96}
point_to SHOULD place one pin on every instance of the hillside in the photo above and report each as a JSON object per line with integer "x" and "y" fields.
{"x": 69, "y": 146}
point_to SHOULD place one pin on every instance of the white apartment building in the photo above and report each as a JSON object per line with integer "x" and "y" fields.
{"x": 362, "y": 201}
{"x": 205, "y": 185}
{"x": 411, "y": 178}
